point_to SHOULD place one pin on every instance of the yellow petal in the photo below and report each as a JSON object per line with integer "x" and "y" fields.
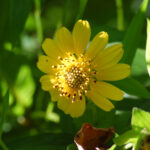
{"x": 55, "y": 95}
{"x": 45, "y": 64}
{"x": 51, "y": 49}
{"x": 116, "y": 72}
{"x": 100, "y": 101}
{"x": 63, "y": 104}
{"x": 45, "y": 82}
{"x": 81, "y": 35}
{"x": 109, "y": 57}
{"x": 47, "y": 85}
{"x": 75, "y": 109}
{"x": 64, "y": 40}
{"x": 107, "y": 90}
{"x": 97, "y": 45}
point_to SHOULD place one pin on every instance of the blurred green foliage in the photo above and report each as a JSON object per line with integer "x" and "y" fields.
{"x": 33, "y": 121}
{"x": 140, "y": 131}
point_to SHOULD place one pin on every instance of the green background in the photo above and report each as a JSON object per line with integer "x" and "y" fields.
{"x": 31, "y": 120}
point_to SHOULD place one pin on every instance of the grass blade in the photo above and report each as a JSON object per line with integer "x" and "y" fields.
{"x": 3, "y": 118}
{"x": 133, "y": 87}
{"x": 82, "y": 7}
{"x": 133, "y": 33}
{"x": 120, "y": 15}
{"x": 148, "y": 46}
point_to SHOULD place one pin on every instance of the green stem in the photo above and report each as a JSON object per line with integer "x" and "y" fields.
{"x": 120, "y": 15}
{"x": 3, "y": 118}
{"x": 82, "y": 7}
{"x": 38, "y": 20}
{"x": 2, "y": 144}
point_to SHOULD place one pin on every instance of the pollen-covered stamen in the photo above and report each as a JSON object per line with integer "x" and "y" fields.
{"x": 72, "y": 76}
{"x": 94, "y": 72}
{"x": 60, "y": 58}
{"x": 75, "y": 77}
{"x": 54, "y": 66}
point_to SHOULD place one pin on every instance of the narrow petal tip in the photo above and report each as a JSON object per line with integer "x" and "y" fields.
{"x": 103, "y": 35}
{"x": 81, "y": 35}
{"x": 84, "y": 23}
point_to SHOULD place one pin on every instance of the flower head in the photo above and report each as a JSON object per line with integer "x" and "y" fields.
{"x": 74, "y": 71}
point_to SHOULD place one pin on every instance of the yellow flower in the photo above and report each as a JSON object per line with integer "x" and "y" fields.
{"x": 75, "y": 70}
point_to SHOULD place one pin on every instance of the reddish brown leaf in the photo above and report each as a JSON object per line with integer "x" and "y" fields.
{"x": 91, "y": 138}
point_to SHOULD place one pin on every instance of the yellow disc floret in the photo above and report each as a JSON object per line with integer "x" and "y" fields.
{"x": 72, "y": 76}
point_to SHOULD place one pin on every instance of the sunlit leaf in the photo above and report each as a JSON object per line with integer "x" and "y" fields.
{"x": 142, "y": 141}
{"x": 140, "y": 119}
{"x": 50, "y": 115}
{"x": 138, "y": 67}
{"x": 128, "y": 137}
{"x": 133, "y": 34}
{"x": 139, "y": 134}
{"x": 25, "y": 86}
{"x": 148, "y": 46}
{"x": 113, "y": 147}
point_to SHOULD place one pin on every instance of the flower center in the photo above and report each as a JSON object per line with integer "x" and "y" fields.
{"x": 75, "y": 77}
{"x": 72, "y": 76}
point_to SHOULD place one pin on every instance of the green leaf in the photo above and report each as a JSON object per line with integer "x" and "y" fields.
{"x": 121, "y": 120}
{"x": 139, "y": 64}
{"x": 140, "y": 140}
{"x": 18, "y": 13}
{"x": 14, "y": 61}
{"x": 18, "y": 78}
{"x": 25, "y": 86}
{"x": 112, "y": 147}
{"x": 128, "y": 137}
{"x": 139, "y": 68}
{"x": 148, "y": 46}
{"x": 3, "y": 118}
{"x": 70, "y": 12}
{"x": 114, "y": 34}
{"x": 140, "y": 119}
{"x": 73, "y": 10}
{"x": 23, "y": 90}
{"x": 82, "y": 7}
{"x": 4, "y": 112}
{"x": 128, "y": 103}
{"x": 37, "y": 14}
{"x": 47, "y": 141}
{"x": 4, "y": 7}
{"x": 120, "y": 15}
{"x": 133, "y": 87}
{"x": 133, "y": 34}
